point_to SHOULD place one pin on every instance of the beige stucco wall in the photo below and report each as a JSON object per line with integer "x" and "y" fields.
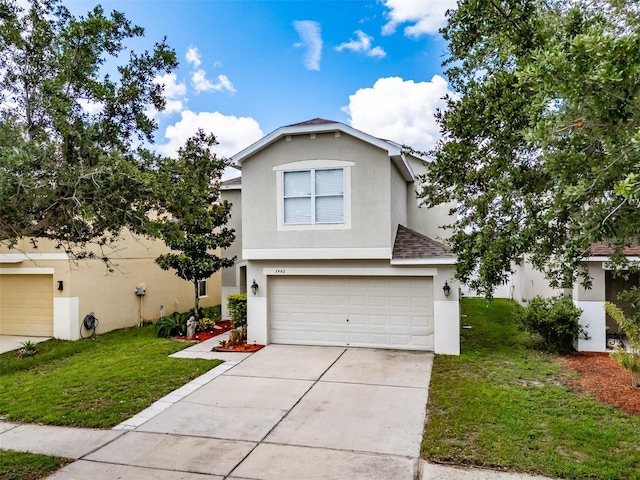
{"x": 370, "y": 194}
{"x": 88, "y": 286}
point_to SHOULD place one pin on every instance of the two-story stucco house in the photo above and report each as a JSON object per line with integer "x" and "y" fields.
{"x": 335, "y": 246}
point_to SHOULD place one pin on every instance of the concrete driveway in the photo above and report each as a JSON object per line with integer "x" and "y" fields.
{"x": 14, "y": 342}
{"x": 286, "y": 412}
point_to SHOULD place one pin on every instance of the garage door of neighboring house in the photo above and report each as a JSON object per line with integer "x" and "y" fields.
{"x": 26, "y": 305}
{"x": 380, "y": 312}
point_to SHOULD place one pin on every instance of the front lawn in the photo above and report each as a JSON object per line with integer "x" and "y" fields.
{"x": 503, "y": 405}
{"x": 28, "y": 466}
{"x": 95, "y": 383}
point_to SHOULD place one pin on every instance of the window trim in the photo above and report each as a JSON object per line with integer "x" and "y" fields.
{"x": 206, "y": 288}
{"x": 313, "y": 165}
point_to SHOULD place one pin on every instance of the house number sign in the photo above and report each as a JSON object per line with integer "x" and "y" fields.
{"x": 279, "y": 271}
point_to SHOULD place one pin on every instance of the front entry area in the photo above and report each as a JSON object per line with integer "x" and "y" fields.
{"x": 380, "y": 312}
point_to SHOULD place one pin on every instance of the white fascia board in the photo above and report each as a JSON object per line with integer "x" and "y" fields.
{"x": 20, "y": 257}
{"x": 352, "y": 272}
{"x": 231, "y": 187}
{"x": 391, "y": 148}
{"x": 28, "y": 271}
{"x": 605, "y": 261}
{"x": 401, "y": 162}
{"x": 424, "y": 261}
{"x": 316, "y": 253}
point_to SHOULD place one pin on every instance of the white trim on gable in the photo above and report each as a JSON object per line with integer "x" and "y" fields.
{"x": 394, "y": 150}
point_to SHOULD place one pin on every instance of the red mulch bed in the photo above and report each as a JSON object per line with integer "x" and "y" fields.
{"x": 219, "y": 328}
{"x": 600, "y": 374}
{"x": 245, "y": 347}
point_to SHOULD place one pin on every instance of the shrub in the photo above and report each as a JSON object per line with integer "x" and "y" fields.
{"x": 212, "y": 312}
{"x": 237, "y": 305}
{"x": 205, "y": 324}
{"x": 28, "y": 349}
{"x": 556, "y": 320}
{"x": 173, "y": 325}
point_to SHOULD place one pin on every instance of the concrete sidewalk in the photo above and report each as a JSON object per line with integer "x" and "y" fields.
{"x": 285, "y": 413}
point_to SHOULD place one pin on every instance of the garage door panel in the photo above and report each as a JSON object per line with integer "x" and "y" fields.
{"x": 392, "y": 312}
{"x": 26, "y": 305}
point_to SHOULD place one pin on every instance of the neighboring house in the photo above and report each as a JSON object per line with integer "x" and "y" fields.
{"x": 527, "y": 283}
{"x": 43, "y": 293}
{"x": 331, "y": 236}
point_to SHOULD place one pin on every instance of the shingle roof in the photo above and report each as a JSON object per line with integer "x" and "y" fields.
{"x": 605, "y": 249}
{"x": 232, "y": 181}
{"x": 313, "y": 121}
{"x": 412, "y": 244}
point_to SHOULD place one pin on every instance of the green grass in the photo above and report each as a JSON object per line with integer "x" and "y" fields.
{"x": 28, "y": 466}
{"x": 503, "y": 405}
{"x": 94, "y": 383}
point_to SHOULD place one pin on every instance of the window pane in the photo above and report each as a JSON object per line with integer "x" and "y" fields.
{"x": 202, "y": 288}
{"x": 297, "y": 210}
{"x": 330, "y": 209}
{"x": 297, "y": 184}
{"x": 329, "y": 182}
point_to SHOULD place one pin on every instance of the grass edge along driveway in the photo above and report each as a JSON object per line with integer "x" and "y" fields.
{"x": 501, "y": 404}
{"x": 28, "y": 466}
{"x": 93, "y": 383}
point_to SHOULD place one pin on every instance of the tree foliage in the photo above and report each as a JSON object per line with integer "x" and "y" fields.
{"x": 193, "y": 221}
{"x": 541, "y": 143}
{"x": 72, "y": 165}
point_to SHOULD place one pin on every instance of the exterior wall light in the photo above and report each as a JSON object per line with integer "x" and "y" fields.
{"x": 60, "y": 285}
{"x": 446, "y": 289}
{"x": 254, "y": 287}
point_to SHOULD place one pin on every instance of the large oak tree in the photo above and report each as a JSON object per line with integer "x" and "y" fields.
{"x": 73, "y": 162}
{"x": 541, "y": 144}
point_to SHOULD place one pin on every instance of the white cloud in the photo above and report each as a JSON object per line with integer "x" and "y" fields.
{"x": 174, "y": 93}
{"x": 400, "y": 110}
{"x": 362, "y": 45}
{"x": 202, "y": 84}
{"x": 193, "y": 56}
{"x": 90, "y": 106}
{"x": 172, "y": 88}
{"x": 233, "y": 133}
{"x": 425, "y": 17}
{"x": 311, "y": 38}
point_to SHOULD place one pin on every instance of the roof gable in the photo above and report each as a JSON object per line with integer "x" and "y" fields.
{"x": 320, "y": 125}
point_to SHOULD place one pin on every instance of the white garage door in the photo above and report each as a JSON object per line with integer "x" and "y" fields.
{"x": 26, "y": 305}
{"x": 380, "y": 312}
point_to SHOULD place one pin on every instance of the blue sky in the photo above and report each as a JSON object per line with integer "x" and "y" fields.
{"x": 249, "y": 67}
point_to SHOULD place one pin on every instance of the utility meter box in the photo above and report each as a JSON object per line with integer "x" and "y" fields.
{"x": 140, "y": 291}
